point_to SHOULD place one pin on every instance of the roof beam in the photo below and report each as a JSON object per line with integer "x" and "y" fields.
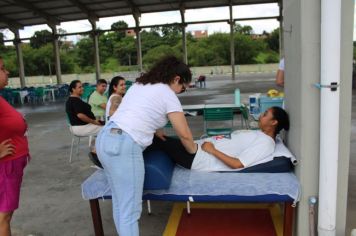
{"x": 51, "y": 20}
{"x": 134, "y": 8}
{"x": 91, "y": 15}
{"x": 11, "y": 23}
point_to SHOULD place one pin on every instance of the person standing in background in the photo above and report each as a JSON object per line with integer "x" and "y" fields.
{"x": 14, "y": 156}
{"x": 97, "y": 100}
{"x": 280, "y": 73}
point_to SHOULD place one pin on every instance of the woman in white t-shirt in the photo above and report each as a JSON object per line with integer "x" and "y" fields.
{"x": 143, "y": 112}
{"x": 245, "y": 148}
{"x": 117, "y": 89}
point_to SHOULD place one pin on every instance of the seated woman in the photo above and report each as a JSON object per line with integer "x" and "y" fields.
{"x": 117, "y": 89}
{"x": 81, "y": 118}
{"x": 245, "y": 148}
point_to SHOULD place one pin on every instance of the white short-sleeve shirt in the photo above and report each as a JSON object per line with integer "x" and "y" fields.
{"x": 144, "y": 109}
{"x": 281, "y": 64}
{"x": 251, "y": 147}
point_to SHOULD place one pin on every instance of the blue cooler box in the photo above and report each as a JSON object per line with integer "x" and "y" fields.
{"x": 267, "y": 102}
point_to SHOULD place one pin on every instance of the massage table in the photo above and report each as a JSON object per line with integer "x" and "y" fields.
{"x": 270, "y": 182}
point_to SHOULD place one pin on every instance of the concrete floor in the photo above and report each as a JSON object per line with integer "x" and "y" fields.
{"x": 51, "y": 202}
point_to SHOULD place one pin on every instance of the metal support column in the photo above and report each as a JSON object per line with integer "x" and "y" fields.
{"x": 232, "y": 43}
{"x": 184, "y": 35}
{"x": 57, "y": 60}
{"x": 96, "y": 49}
{"x": 138, "y": 41}
{"x": 281, "y": 38}
{"x": 17, "y": 43}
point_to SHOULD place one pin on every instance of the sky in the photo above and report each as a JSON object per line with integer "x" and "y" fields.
{"x": 245, "y": 11}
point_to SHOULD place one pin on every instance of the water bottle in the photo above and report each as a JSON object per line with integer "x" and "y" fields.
{"x": 256, "y": 110}
{"x": 237, "y": 97}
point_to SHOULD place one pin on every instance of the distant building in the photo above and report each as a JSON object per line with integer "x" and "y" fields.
{"x": 200, "y": 34}
{"x": 67, "y": 44}
{"x": 130, "y": 32}
{"x": 259, "y": 36}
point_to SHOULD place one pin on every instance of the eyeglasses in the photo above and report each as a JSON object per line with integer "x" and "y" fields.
{"x": 183, "y": 89}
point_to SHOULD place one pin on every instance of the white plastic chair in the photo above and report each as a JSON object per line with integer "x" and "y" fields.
{"x": 74, "y": 136}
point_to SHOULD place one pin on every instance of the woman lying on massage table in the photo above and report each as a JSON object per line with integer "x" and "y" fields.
{"x": 245, "y": 148}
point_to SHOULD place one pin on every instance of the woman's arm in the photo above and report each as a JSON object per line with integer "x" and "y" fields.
{"x": 280, "y": 78}
{"x": 232, "y": 162}
{"x": 88, "y": 120}
{"x": 181, "y": 128}
{"x": 115, "y": 102}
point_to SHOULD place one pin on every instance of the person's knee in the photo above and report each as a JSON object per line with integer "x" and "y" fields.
{"x": 5, "y": 218}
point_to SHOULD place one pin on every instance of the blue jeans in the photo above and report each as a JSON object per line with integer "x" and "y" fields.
{"x": 123, "y": 165}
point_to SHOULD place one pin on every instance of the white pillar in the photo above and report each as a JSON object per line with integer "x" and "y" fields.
{"x": 329, "y": 115}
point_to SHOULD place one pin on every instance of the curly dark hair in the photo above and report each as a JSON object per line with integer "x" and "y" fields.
{"x": 165, "y": 70}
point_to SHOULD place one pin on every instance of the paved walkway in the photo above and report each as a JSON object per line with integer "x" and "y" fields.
{"x": 51, "y": 202}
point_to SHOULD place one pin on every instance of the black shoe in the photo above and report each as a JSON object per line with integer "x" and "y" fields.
{"x": 94, "y": 158}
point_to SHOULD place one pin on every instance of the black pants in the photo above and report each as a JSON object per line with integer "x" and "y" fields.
{"x": 174, "y": 149}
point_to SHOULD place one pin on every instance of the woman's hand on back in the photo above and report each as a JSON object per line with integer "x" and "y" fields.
{"x": 160, "y": 134}
{"x": 181, "y": 128}
{"x": 6, "y": 148}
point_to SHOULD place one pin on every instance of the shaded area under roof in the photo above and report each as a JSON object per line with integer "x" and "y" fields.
{"x": 19, "y": 13}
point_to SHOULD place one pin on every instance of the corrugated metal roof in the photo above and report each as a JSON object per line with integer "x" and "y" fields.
{"x": 20, "y": 13}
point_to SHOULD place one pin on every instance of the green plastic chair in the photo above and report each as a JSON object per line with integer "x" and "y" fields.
{"x": 128, "y": 84}
{"x": 169, "y": 131}
{"x": 87, "y": 91}
{"x": 248, "y": 121}
{"x": 245, "y": 117}
{"x": 40, "y": 94}
{"x": 216, "y": 115}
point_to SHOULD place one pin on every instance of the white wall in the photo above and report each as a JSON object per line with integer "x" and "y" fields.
{"x": 345, "y": 113}
{"x": 302, "y": 52}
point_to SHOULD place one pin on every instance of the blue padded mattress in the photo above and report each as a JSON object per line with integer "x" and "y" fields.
{"x": 190, "y": 185}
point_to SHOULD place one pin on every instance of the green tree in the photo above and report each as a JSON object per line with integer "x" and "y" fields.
{"x": 85, "y": 52}
{"x": 171, "y": 34}
{"x": 41, "y": 38}
{"x": 118, "y": 27}
{"x": 213, "y": 50}
{"x": 150, "y": 39}
{"x": 272, "y": 40}
{"x": 106, "y": 45}
{"x": 157, "y": 53}
{"x": 246, "y": 29}
{"x": 125, "y": 51}
{"x": 247, "y": 49}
